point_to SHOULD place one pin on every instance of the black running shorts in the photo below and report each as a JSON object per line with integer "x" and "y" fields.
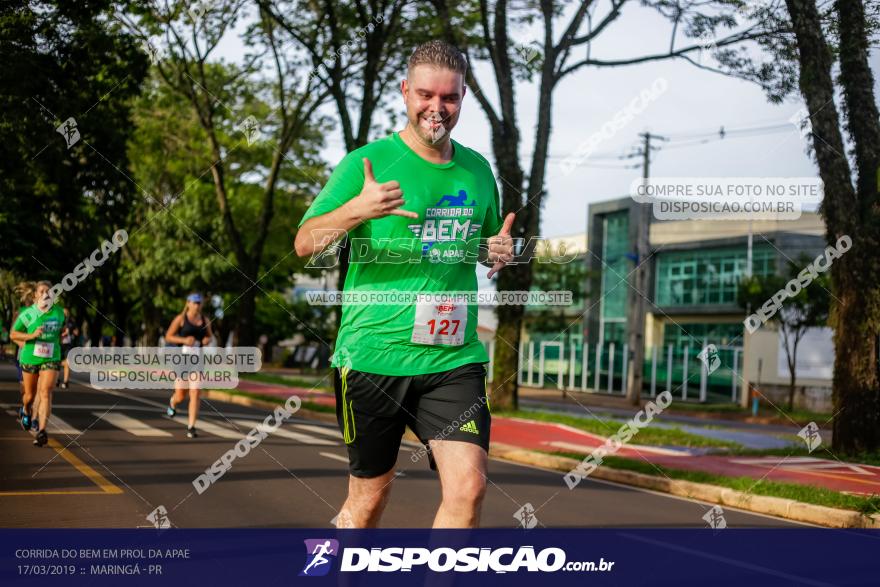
{"x": 373, "y": 411}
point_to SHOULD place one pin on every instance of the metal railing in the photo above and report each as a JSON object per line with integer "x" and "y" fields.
{"x": 602, "y": 368}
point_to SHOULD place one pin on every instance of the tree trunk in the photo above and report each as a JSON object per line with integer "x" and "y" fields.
{"x": 247, "y": 305}
{"x": 152, "y": 322}
{"x": 792, "y": 375}
{"x": 96, "y": 326}
{"x": 857, "y": 320}
{"x": 518, "y": 277}
{"x": 120, "y": 307}
{"x": 855, "y": 315}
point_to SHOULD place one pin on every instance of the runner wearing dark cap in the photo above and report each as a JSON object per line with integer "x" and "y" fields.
{"x": 191, "y": 330}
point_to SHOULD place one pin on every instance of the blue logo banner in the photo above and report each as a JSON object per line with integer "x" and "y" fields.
{"x": 268, "y": 557}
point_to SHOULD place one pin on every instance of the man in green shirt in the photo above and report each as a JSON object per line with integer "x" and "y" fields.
{"x": 416, "y": 206}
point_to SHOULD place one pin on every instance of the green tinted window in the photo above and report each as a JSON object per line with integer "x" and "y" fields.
{"x": 694, "y": 333}
{"x": 700, "y": 277}
{"x": 615, "y": 265}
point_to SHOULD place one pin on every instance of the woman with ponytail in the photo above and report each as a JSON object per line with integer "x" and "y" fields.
{"x": 189, "y": 329}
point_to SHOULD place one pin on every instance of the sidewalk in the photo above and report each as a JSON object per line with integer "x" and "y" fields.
{"x": 752, "y": 433}
{"x": 602, "y": 402}
{"x": 550, "y": 437}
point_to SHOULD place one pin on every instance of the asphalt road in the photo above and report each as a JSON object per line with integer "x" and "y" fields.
{"x": 115, "y": 457}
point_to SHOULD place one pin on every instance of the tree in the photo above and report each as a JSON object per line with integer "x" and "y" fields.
{"x": 166, "y": 257}
{"x": 65, "y": 63}
{"x": 232, "y": 119}
{"x": 808, "y": 309}
{"x": 852, "y": 201}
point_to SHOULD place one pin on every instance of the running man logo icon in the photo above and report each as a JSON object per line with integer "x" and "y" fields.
{"x": 320, "y": 553}
{"x": 526, "y": 516}
{"x": 709, "y": 357}
{"x": 251, "y": 129}
{"x": 527, "y": 52}
{"x": 159, "y": 518}
{"x": 153, "y": 50}
{"x": 715, "y": 518}
{"x": 810, "y": 435}
{"x": 69, "y": 131}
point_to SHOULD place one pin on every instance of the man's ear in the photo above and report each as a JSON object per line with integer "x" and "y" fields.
{"x": 463, "y": 91}
{"x": 403, "y": 88}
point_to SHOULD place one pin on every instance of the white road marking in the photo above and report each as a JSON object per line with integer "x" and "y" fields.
{"x": 326, "y": 430}
{"x": 211, "y": 428}
{"x": 131, "y": 425}
{"x": 304, "y": 438}
{"x": 58, "y": 426}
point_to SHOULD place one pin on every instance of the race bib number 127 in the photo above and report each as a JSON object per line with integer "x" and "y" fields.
{"x": 440, "y": 323}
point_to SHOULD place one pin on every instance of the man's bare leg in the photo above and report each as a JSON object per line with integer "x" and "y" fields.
{"x": 462, "y": 468}
{"x": 366, "y": 501}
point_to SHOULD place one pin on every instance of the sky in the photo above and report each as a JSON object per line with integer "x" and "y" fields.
{"x": 695, "y": 101}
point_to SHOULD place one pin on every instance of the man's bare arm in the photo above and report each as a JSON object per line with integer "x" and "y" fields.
{"x": 318, "y": 232}
{"x": 376, "y": 200}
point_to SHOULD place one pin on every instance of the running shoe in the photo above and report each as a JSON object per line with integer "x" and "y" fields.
{"x": 171, "y": 412}
{"x": 63, "y": 385}
{"x": 41, "y": 438}
{"x": 25, "y": 420}
{"x": 35, "y": 423}
{"x": 191, "y": 432}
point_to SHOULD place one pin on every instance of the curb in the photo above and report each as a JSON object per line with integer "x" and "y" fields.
{"x": 772, "y": 506}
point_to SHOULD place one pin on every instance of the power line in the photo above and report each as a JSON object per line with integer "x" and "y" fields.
{"x": 690, "y": 140}
{"x": 733, "y": 131}
{"x": 684, "y": 144}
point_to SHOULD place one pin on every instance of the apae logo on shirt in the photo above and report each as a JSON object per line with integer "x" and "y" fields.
{"x": 450, "y": 220}
{"x": 51, "y": 327}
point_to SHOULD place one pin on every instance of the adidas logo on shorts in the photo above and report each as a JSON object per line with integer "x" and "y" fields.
{"x": 469, "y": 427}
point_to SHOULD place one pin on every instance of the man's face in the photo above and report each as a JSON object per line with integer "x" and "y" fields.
{"x": 433, "y": 98}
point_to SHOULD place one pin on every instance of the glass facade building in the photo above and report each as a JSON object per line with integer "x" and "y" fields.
{"x": 616, "y": 267}
{"x": 694, "y": 271}
{"x": 707, "y": 276}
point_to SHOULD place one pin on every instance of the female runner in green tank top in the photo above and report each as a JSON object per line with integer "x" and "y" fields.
{"x": 38, "y": 327}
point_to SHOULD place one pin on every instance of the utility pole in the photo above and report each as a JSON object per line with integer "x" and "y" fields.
{"x": 640, "y": 225}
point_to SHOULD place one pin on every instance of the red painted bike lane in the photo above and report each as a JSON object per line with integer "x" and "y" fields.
{"x": 548, "y": 437}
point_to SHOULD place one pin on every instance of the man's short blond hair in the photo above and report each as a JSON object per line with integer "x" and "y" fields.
{"x": 438, "y": 54}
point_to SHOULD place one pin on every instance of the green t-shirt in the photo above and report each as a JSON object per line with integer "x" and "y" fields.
{"x": 47, "y": 347}
{"x": 458, "y": 204}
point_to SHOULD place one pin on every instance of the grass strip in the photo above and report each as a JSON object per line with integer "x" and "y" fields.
{"x": 803, "y": 493}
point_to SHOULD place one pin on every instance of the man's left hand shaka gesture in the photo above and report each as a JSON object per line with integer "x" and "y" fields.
{"x": 501, "y": 246}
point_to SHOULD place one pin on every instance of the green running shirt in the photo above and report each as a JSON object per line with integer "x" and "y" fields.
{"x": 458, "y": 204}
{"x": 47, "y": 347}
